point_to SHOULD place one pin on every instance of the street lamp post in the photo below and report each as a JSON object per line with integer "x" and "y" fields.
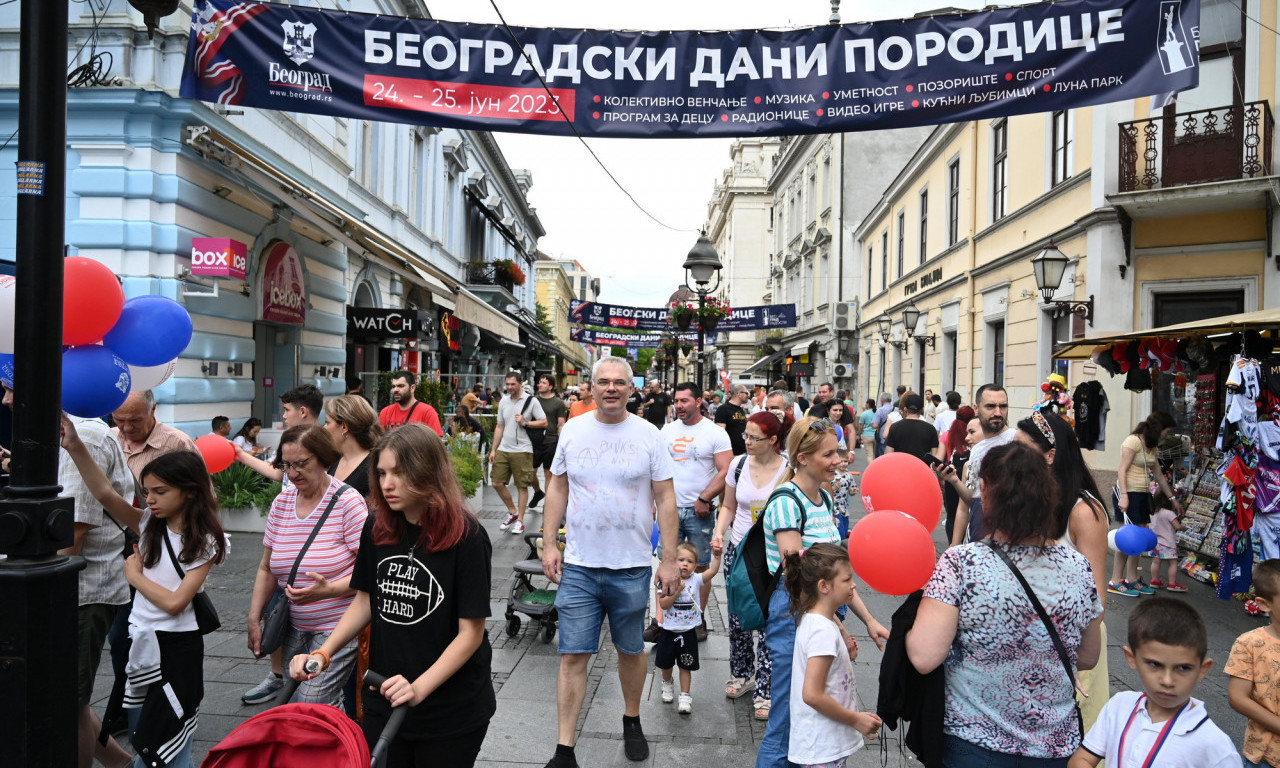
{"x": 701, "y": 266}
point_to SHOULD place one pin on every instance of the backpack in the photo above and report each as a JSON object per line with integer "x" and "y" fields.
{"x": 750, "y": 583}
{"x": 536, "y": 434}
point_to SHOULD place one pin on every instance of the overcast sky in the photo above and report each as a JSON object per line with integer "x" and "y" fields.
{"x": 586, "y": 217}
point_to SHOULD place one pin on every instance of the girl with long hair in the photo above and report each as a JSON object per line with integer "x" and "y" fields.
{"x": 750, "y": 479}
{"x": 181, "y": 541}
{"x": 813, "y": 457}
{"x": 421, "y": 583}
{"x": 1139, "y": 465}
{"x": 247, "y": 437}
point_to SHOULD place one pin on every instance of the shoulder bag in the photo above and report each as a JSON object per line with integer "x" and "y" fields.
{"x": 206, "y": 615}
{"x": 276, "y": 624}
{"x": 1048, "y": 625}
{"x": 536, "y": 434}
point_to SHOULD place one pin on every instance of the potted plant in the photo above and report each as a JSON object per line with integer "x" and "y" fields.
{"x": 508, "y": 271}
{"x": 464, "y": 455}
{"x": 712, "y": 312}
{"x": 682, "y": 314}
{"x": 244, "y": 497}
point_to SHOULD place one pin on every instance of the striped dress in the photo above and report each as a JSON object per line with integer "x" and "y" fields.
{"x": 332, "y": 554}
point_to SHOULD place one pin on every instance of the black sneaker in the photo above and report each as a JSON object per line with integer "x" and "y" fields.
{"x": 562, "y": 761}
{"x": 538, "y": 496}
{"x": 651, "y": 632}
{"x": 634, "y": 744}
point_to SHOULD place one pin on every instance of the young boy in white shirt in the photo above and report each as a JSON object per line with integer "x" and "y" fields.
{"x": 1161, "y": 725}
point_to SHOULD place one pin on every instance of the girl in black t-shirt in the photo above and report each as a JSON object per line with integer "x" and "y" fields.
{"x": 422, "y": 583}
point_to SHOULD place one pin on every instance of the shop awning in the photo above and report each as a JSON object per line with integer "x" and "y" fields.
{"x": 472, "y": 309}
{"x": 497, "y": 340}
{"x": 800, "y": 349}
{"x": 440, "y": 293}
{"x": 1261, "y": 320}
{"x": 763, "y": 363}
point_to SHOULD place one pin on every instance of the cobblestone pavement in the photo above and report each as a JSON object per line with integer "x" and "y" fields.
{"x": 720, "y": 731}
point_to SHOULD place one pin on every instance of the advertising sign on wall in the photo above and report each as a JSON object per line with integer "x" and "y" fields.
{"x": 219, "y": 257}
{"x": 947, "y": 68}
{"x": 284, "y": 291}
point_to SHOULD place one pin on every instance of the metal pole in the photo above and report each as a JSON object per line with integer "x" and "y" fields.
{"x": 702, "y": 302}
{"x": 38, "y": 712}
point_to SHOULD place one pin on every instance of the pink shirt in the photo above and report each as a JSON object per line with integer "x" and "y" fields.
{"x": 1162, "y": 524}
{"x": 332, "y": 554}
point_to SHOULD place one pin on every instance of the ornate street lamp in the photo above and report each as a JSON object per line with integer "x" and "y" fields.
{"x": 885, "y": 324}
{"x": 911, "y": 316}
{"x": 1049, "y": 267}
{"x": 701, "y": 266}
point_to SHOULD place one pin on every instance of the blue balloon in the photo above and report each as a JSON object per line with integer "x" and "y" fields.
{"x": 653, "y": 537}
{"x": 1134, "y": 539}
{"x": 95, "y": 381}
{"x": 152, "y": 330}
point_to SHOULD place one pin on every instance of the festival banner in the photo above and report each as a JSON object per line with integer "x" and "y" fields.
{"x": 637, "y": 340}
{"x": 853, "y": 77}
{"x": 655, "y": 318}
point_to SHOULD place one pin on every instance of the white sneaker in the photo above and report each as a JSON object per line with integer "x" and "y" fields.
{"x": 510, "y": 521}
{"x": 517, "y": 528}
{"x": 668, "y": 691}
{"x": 685, "y": 706}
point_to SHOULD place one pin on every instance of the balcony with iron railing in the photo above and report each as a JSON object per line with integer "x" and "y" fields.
{"x": 1228, "y": 143}
{"x": 495, "y": 281}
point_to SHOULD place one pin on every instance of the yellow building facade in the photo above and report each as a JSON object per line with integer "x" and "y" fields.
{"x": 1167, "y": 214}
{"x": 555, "y": 291}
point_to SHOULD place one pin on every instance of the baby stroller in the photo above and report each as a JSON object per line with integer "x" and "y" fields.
{"x": 304, "y": 736}
{"x": 539, "y": 604}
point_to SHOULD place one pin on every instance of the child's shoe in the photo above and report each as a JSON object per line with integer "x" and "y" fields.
{"x": 1175, "y": 587}
{"x": 685, "y": 706}
{"x": 1157, "y": 584}
{"x": 1142, "y": 588}
{"x": 668, "y": 691}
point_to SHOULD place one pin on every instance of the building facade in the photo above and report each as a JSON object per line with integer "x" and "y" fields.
{"x": 335, "y": 215}
{"x": 555, "y": 291}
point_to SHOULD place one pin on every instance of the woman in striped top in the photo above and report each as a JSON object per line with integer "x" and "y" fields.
{"x": 321, "y": 591}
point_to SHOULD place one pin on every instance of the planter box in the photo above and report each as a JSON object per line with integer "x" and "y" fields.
{"x": 476, "y": 501}
{"x": 243, "y": 519}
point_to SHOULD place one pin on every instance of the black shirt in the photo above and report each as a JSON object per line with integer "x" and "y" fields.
{"x": 819, "y": 410}
{"x": 359, "y": 477}
{"x": 914, "y": 436}
{"x": 655, "y": 408}
{"x": 734, "y": 420}
{"x": 416, "y": 599}
{"x": 633, "y": 403}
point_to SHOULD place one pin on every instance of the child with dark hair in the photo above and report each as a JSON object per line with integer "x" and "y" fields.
{"x": 681, "y": 617}
{"x": 1167, "y": 647}
{"x": 825, "y": 725}
{"x": 1254, "y": 690}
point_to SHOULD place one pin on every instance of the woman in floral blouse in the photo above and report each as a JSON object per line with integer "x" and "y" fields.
{"x": 1007, "y": 691}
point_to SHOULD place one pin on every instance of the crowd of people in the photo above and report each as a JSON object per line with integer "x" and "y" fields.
{"x": 373, "y": 560}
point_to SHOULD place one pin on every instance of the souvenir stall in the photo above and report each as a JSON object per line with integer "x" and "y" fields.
{"x": 1226, "y": 375}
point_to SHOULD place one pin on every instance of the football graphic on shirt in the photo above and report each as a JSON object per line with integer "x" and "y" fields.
{"x": 407, "y": 591}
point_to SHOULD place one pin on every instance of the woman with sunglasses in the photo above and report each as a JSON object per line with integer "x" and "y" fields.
{"x": 751, "y": 478}
{"x": 813, "y": 457}
{"x": 321, "y": 591}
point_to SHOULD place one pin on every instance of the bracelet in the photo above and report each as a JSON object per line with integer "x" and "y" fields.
{"x": 704, "y": 501}
{"x": 322, "y": 654}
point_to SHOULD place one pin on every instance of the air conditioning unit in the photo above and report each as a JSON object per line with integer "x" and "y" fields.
{"x": 844, "y": 316}
{"x": 842, "y": 370}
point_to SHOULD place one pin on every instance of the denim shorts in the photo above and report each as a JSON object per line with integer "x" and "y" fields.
{"x": 587, "y": 595}
{"x": 697, "y": 531}
{"x": 958, "y": 753}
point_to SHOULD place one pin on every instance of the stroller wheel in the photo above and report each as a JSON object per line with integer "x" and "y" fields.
{"x": 548, "y": 632}
{"x": 513, "y": 626}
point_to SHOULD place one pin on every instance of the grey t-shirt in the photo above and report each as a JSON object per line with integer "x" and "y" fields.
{"x": 555, "y": 409}
{"x": 980, "y": 450}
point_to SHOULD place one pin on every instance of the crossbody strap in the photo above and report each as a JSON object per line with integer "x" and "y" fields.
{"x": 1048, "y": 625}
{"x": 293, "y": 574}
{"x": 172, "y": 557}
{"x": 409, "y": 415}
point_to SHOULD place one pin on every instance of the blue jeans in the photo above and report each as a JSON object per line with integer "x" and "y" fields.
{"x": 958, "y": 753}
{"x": 697, "y": 531}
{"x": 587, "y": 595}
{"x": 780, "y": 637}
{"x": 183, "y": 758}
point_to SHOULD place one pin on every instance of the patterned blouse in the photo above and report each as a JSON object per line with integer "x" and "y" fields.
{"x": 1006, "y": 689}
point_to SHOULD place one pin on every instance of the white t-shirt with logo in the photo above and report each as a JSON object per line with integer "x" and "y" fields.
{"x": 611, "y": 468}
{"x": 693, "y": 450}
{"x": 686, "y": 612}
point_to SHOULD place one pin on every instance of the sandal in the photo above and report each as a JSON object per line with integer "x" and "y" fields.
{"x": 761, "y": 708}
{"x": 737, "y": 687}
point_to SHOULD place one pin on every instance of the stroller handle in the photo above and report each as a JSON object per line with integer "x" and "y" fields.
{"x": 376, "y": 680}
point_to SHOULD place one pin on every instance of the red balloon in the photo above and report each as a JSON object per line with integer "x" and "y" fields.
{"x": 891, "y": 552}
{"x": 901, "y": 481}
{"x": 92, "y": 300}
{"x": 218, "y": 452}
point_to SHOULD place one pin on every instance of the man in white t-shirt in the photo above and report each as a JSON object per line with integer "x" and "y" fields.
{"x": 993, "y": 415}
{"x": 701, "y": 452}
{"x": 610, "y": 471}
{"x": 511, "y": 457}
{"x": 946, "y": 414}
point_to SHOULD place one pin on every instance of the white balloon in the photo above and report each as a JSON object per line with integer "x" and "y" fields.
{"x": 152, "y": 376}
{"x": 8, "y": 300}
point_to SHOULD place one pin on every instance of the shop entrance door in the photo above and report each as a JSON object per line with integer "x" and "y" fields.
{"x": 275, "y": 367}
{"x": 1173, "y": 308}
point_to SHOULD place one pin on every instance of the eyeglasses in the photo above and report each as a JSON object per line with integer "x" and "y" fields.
{"x": 754, "y": 439}
{"x": 289, "y": 466}
{"x": 615, "y": 383}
